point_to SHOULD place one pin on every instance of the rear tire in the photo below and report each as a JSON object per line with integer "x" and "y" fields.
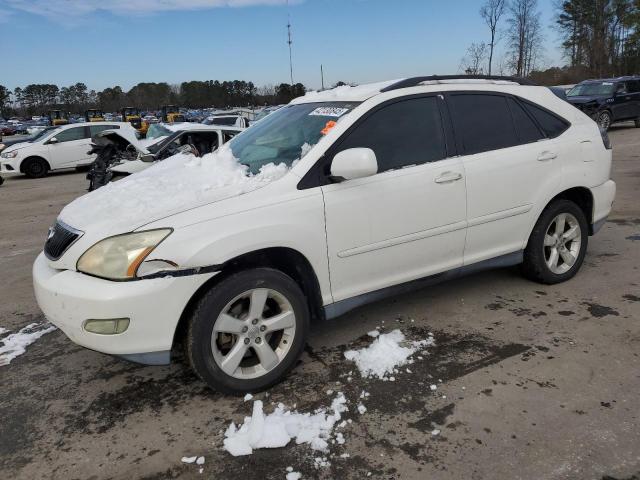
{"x": 557, "y": 245}
{"x": 35, "y": 167}
{"x": 236, "y": 319}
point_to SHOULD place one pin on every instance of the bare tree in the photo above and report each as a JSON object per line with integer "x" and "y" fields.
{"x": 472, "y": 62}
{"x": 525, "y": 35}
{"x": 491, "y": 12}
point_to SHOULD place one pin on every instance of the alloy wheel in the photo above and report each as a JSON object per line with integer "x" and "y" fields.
{"x": 562, "y": 243}
{"x": 604, "y": 120}
{"x": 253, "y": 333}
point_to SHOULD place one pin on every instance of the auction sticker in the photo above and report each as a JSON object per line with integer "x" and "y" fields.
{"x": 335, "y": 112}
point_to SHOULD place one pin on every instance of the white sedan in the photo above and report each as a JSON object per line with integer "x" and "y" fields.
{"x": 64, "y": 147}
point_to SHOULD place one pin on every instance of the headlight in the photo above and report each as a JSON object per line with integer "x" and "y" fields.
{"x": 13, "y": 154}
{"x": 118, "y": 258}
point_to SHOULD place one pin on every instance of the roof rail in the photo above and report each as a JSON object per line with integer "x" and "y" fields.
{"x": 415, "y": 81}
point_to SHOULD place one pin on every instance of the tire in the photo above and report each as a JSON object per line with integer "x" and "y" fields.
{"x": 35, "y": 167}
{"x": 1, "y": 180}
{"x": 637, "y": 122}
{"x": 209, "y": 348}
{"x": 538, "y": 256}
{"x": 604, "y": 120}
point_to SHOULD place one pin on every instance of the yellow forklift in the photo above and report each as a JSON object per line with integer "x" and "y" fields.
{"x": 94, "y": 115}
{"x": 132, "y": 115}
{"x": 171, "y": 114}
{"x": 57, "y": 117}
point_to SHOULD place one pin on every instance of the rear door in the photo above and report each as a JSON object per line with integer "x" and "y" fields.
{"x": 408, "y": 220}
{"x": 634, "y": 91}
{"x": 510, "y": 164}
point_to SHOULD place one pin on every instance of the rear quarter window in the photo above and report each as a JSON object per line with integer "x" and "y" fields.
{"x": 552, "y": 125}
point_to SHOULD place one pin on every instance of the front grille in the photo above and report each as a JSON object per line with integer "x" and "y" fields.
{"x": 60, "y": 238}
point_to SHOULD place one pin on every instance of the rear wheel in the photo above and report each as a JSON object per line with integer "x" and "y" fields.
{"x": 248, "y": 331}
{"x": 557, "y": 245}
{"x": 35, "y": 167}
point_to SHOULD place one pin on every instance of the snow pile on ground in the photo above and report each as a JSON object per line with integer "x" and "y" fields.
{"x": 170, "y": 186}
{"x": 277, "y": 429}
{"x": 387, "y": 352}
{"x": 16, "y": 344}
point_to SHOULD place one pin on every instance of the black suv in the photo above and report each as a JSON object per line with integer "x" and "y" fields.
{"x": 609, "y": 100}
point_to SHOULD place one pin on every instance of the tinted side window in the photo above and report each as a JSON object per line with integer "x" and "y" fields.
{"x": 404, "y": 133}
{"x": 634, "y": 86}
{"x": 552, "y": 125}
{"x": 228, "y": 135}
{"x": 483, "y": 122}
{"x": 526, "y": 128}
{"x": 71, "y": 134}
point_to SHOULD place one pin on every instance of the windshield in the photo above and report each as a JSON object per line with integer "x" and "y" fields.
{"x": 156, "y": 130}
{"x": 287, "y": 134}
{"x": 41, "y": 133}
{"x": 592, "y": 89}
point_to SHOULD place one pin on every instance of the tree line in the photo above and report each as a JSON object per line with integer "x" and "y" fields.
{"x": 598, "y": 38}
{"x": 37, "y": 99}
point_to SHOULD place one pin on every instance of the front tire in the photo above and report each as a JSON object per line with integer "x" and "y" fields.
{"x": 248, "y": 331}
{"x": 604, "y": 120}
{"x": 557, "y": 245}
{"x": 35, "y": 167}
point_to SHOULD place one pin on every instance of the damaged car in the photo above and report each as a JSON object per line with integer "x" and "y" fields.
{"x": 121, "y": 153}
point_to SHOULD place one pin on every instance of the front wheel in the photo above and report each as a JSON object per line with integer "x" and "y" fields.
{"x": 604, "y": 120}
{"x": 35, "y": 167}
{"x": 557, "y": 245}
{"x": 248, "y": 331}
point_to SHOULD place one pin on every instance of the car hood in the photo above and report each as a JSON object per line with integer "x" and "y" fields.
{"x": 581, "y": 99}
{"x": 16, "y": 146}
{"x": 117, "y": 135}
{"x": 175, "y": 185}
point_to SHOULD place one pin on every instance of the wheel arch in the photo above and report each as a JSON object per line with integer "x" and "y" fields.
{"x": 287, "y": 260}
{"x": 32, "y": 157}
{"x": 579, "y": 195}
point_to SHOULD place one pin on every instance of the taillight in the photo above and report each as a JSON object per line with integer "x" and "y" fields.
{"x": 605, "y": 139}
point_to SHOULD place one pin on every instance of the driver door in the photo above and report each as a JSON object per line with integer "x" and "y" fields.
{"x": 409, "y": 220}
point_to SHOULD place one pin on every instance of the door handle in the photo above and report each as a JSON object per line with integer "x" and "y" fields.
{"x": 546, "y": 156}
{"x": 448, "y": 177}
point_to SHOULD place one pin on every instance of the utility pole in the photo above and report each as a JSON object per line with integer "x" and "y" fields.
{"x": 322, "y": 76}
{"x": 289, "y": 41}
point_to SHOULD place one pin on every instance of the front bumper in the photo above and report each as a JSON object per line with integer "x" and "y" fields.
{"x": 10, "y": 167}
{"x": 69, "y": 298}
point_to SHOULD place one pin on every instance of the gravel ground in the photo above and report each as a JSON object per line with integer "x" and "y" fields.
{"x": 534, "y": 382}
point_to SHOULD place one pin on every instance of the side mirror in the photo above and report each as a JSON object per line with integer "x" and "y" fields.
{"x": 148, "y": 158}
{"x": 354, "y": 163}
{"x": 53, "y": 140}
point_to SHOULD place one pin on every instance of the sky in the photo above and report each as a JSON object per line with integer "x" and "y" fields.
{"x": 104, "y": 43}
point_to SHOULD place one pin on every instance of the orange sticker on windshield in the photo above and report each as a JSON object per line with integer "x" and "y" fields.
{"x": 327, "y": 128}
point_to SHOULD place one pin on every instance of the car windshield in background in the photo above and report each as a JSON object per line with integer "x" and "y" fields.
{"x": 228, "y": 121}
{"x": 285, "y": 135}
{"x": 592, "y": 89}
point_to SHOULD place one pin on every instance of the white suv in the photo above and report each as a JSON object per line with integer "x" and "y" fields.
{"x": 64, "y": 147}
{"x": 338, "y": 199}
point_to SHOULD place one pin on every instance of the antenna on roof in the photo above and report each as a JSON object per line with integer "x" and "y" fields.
{"x": 289, "y": 41}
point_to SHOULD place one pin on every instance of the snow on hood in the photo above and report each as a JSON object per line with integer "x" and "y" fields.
{"x": 174, "y": 185}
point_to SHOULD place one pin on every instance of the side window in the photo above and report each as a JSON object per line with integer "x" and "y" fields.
{"x": 404, "y": 133}
{"x": 99, "y": 128}
{"x": 526, "y": 128}
{"x": 634, "y": 86}
{"x": 71, "y": 134}
{"x": 483, "y": 122}
{"x": 621, "y": 88}
{"x": 228, "y": 135}
{"x": 552, "y": 125}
